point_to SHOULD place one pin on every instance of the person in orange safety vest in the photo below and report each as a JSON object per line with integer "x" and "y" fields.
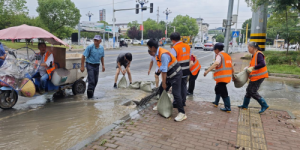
{"x": 223, "y": 75}
{"x": 258, "y": 72}
{"x": 45, "y": 68}
{"x": 194, "y": 72}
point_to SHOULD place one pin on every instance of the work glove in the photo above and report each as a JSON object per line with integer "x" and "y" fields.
{"x": 250, "y": 69}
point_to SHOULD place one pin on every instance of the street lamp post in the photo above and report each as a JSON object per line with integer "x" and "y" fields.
{"x": 89, "y": 14}
{"x": 167, "y": 12}
{"x": 142, "y": 2}
{"x": 114, "y": 32}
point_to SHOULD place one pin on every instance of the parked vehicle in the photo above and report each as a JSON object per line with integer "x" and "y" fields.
{"x": 208, "y": 47}
{"x": 187, "y": 40}
{"x": 146, "y": 41}
{"x": 128, "y": 41}
{"x": 123, "y": 43}
{"x": 136, "y": 42}
{"x": 198, "y": 46}
{"x": 293, "y": 46}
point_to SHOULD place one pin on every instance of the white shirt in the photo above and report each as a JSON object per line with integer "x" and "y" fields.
{"x": 154, "y": 63}
{"x": 42, "y": 70}
{"x": 219, "y": 60}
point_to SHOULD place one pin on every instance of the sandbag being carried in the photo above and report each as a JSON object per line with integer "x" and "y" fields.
{"x": 241, "y": 78}
{"x": 135, "y": 85}
{"x": 146, "y": 86}
{"x": 164, "y": 105}
{"x": 122, "y": 83}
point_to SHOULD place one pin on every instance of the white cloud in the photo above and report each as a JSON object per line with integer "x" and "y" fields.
{"x": 212, "y": 11}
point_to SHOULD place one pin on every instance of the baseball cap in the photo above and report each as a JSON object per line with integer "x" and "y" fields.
{"x": 97, "y": 37}
{"x": 219, "y": 46}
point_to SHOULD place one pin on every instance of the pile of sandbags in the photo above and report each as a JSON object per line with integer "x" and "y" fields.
{"x": 143, "y": 85}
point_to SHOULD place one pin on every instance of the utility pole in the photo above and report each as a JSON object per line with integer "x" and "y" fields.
{"x": 259, "y": 26}
{"x": 142, "y": 2}
{"x": 234, "y": 39}
{"x": 228, "y": 25}
{"x": 114, "y": 32}
{"x": 89, "y": 14}
{"x": 167, "y": 12}
{"x": 157, "y": 14}
{"x": 247, "y": 34}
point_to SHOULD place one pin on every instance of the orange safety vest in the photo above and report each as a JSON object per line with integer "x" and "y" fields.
{"x": 224, "y": 72}
{"x": 260, "y": 73}
{"x": 48, "y": 70}
{"x": 173, "y": 67}
{"x": 183, "y": 56}
{"x": 195, "y": 68}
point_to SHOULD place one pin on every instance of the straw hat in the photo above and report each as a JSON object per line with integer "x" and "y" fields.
{"x": 27, "y": 88}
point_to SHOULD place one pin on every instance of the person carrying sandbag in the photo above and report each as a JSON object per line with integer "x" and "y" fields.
{"x": 223, "y": 74}
{"x": 124, "y": 59}
{"x": 171, "y": 75}
{"x": 258, "y": 72}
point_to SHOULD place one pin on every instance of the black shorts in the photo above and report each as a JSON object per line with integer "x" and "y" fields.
{"x": 125, "y": 65}
{"x": 157, "y": 73}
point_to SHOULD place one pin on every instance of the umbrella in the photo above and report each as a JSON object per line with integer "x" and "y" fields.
{"x": 30, "y": 32}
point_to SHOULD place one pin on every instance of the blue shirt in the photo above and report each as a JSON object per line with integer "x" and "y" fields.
{"x": 2, "y": 52}
{"x": 93, "y": 54}
{"x": 165, "y": 60}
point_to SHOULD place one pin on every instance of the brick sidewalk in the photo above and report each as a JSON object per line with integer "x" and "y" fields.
{"x": 205, "y": 128}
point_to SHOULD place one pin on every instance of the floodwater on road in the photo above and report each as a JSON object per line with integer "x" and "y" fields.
{"x": 280, "y": 93}
{"x": 45, "y": 123}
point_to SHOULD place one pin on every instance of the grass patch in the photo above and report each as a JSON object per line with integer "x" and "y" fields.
{"x": 284, "y": 69}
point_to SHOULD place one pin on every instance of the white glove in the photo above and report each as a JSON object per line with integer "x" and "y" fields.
{"x": 250, "y": 69}
{"x": 246, "y": 68}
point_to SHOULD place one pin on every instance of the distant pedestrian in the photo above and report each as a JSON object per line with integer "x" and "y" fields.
{"x": 157, "y": 72}
{"x": 195, "y": 70}
{"x": 92, "y": 56}
{"x": 258, "y": 74}
{"x": 223, "y": 74}
{"x": 124, "y": 59}
{"x": 2, "y": 54}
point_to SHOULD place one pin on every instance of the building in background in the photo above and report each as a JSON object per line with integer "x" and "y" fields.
{"x": 203, "y": 31}
{"x": 102, "y": 15}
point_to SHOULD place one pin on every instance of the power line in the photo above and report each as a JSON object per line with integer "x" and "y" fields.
{"x": 105, "y": 4}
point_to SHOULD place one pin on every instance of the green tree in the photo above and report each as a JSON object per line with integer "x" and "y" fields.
{"x": 185, "y": 25}
{"x": 284, "y": 24}
{"x": 133, "y": 24}
{"x": 220, "y": 38}
{"x": 276, "y": 5}
{"x": 244, "y": 26}
{"x": 12, "y": 12}
{"x": 57, "y": 14}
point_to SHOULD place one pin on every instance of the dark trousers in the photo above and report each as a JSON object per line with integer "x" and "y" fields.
{"x": 183, "y": 89}
{"x": 221, "y": 89}
{"x": 175, "y": 82}
{"x": 93, "y": 75}
{"x": 252, "y": 89}
{"x": 192, "y": 81}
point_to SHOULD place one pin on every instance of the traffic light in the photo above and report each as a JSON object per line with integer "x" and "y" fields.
{"x": 137, "y": 8}
{"x": 151, "y": 7}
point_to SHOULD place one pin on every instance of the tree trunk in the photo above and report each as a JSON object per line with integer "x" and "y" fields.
{"x": 287, "y": 28}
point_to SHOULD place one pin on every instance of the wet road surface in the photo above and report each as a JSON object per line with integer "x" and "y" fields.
{"x": 46, "y": 123}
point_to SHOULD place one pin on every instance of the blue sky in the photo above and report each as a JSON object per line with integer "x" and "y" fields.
{"x": 212, "y": 11}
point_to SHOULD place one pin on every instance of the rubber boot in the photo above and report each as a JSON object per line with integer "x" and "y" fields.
{"x": 245, "y": 103}
{"x": 227, "y": 105}
{"x": 217, "y": 99}
{"x": 264, "y": 105}
{"x": 90, "y": 94}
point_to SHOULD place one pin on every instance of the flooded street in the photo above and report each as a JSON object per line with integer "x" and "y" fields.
{"x": 44, "y": 122}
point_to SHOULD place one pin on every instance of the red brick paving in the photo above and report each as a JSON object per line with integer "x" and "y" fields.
{"x": 206, "y": 128}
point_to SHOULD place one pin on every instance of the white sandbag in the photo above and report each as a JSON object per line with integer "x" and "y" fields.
{"x": 241, "y": 79}
{"x": 146, "y": 86}
{"x": 135, "y": 85}
{"x": 164, "y": 105}
{"x": 122, "y": 83}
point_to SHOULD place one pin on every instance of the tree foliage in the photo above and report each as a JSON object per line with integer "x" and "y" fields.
{"x": 244, "y": 26}
{"x": 12, "y": 13}
{"x": 220, "y": 38}
{"x": 58, "y": 13}
{"x": 185, "y": 25}
{"x": 133, "y": 24}
{"x": 134, "y": 33}
{"x": 276, "y": 5}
